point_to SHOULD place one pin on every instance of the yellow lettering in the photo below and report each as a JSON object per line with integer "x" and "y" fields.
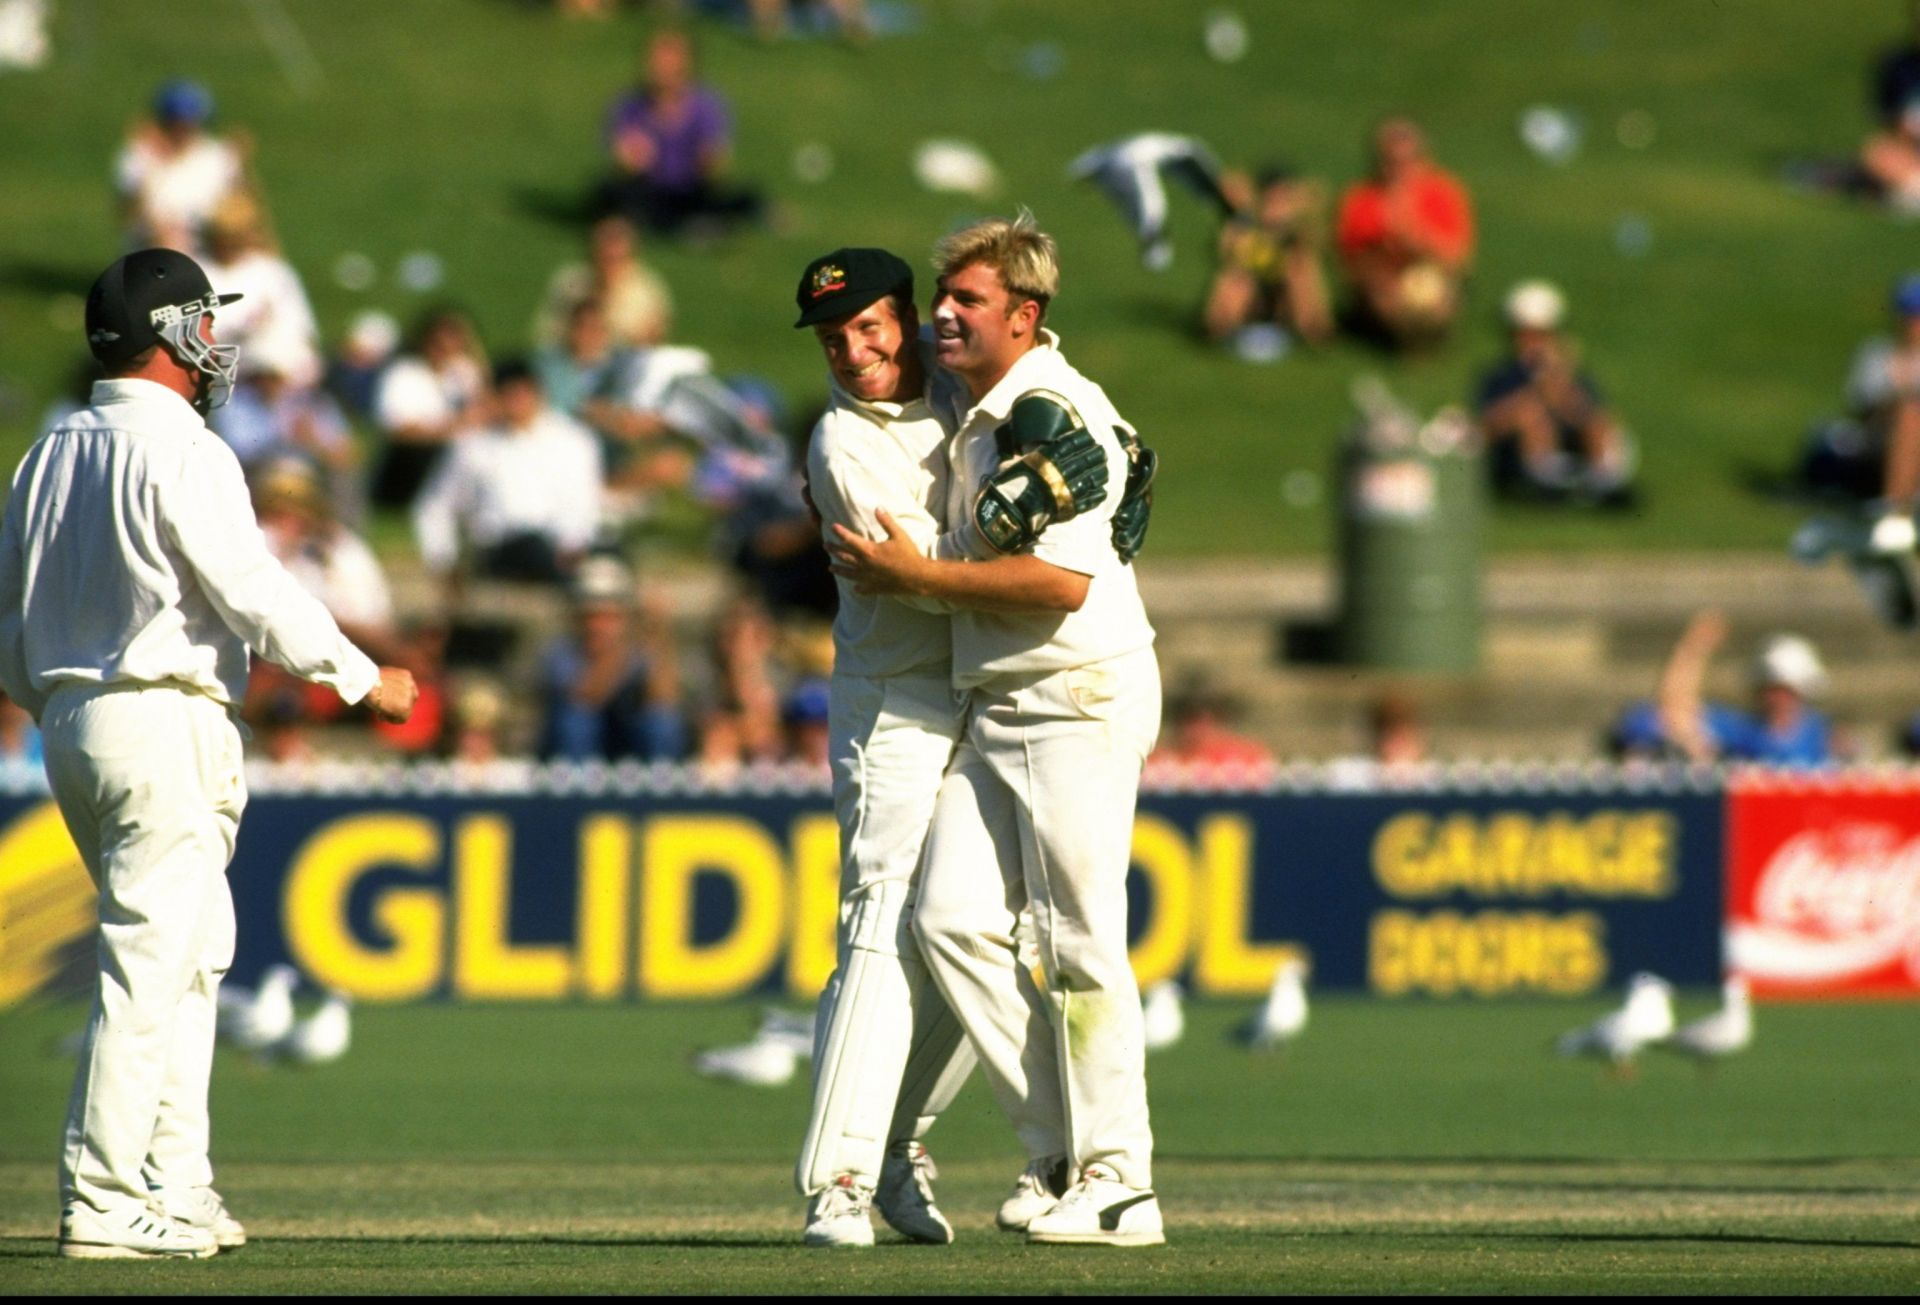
{"x": 603, "y": 922}
{"x": 1398, "y": 850}
{"x": 675, "y": 850}
{"x": 1513, "y": 854}
{"x": 314, "y": 908}
{"x": 1160, "y": 854}
{"x": 1489, "y": 954}
{"x": 813, "y": 949}
{"x": 1227, "y": 964}
{"x": 486, "y": 963}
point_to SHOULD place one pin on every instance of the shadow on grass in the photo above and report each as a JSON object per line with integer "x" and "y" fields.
{"x": 573, "y": 208}
{"x": 37, "y": 276}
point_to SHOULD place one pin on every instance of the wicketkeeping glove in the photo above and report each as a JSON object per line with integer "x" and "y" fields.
{"x": 1136, "y": 503}
{"x": 1055, "y": 471}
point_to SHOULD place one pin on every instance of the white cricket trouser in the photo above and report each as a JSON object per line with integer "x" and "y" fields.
{"x": 149, "y": 780}
{"x": 1044, "y": 787}
{"x": 888, "y": 1054}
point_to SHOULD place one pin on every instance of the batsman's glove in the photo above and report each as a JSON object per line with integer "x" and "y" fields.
{"x": 1053, "y": 471}
{"x": 1136, "y": 502}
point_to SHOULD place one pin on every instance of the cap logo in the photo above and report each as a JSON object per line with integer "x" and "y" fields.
{"x": 103, "y": 336}
{"x": 828, "y": 277}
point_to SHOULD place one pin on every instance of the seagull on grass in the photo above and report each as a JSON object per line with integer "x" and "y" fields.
{"x": 1723, "y": 1033}
{"x": 1161, "y": 1015}
{"x": 1283, "y": 1016}
{"x": 1645, "y": 1018}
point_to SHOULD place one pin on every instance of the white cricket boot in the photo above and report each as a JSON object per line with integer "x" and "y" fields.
{"x": 1034, "y": 1193}
{"x": 905, "y": 1195}
{"x": 838, "y": 1215}
{"x": 201, "y": 1207}
{"x": 1100, "y": 1210}
{"x": 142, "y": 1234}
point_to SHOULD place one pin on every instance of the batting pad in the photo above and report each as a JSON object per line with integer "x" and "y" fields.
{"x": 883, "y": 1023}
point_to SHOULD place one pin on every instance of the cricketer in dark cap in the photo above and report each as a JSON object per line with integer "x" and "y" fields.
{"x": 847, "y": 280}
{"x": 859, "y": 303}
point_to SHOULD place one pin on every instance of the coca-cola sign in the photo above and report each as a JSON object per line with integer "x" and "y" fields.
{"x": 1823, "y": 887}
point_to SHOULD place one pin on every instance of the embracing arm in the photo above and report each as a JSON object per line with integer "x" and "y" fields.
{"x": 1020, "y": 583}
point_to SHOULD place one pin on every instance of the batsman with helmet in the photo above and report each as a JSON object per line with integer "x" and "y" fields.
{"x": 133, "y": 582}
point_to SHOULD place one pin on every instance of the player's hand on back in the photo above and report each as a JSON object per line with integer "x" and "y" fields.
{"x": 392, "y": 699}
{"x": 890, "y": 565}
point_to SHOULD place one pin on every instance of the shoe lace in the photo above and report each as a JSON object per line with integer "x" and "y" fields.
{"x": 920, "y": 1164}
{"x": 1081, "y": 1192}
{"x": 845, "y": 1197}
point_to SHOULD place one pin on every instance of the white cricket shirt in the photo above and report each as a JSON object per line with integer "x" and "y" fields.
{"x": 865, "y": 456}
{"x": 1112, "y": 622}
{"x": 130, "y": 553}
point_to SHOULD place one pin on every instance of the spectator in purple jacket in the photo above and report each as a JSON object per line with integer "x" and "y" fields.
{"x": 668, "y": 141}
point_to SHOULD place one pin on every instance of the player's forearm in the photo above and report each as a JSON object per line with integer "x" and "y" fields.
{"x": 1021, "y": 584}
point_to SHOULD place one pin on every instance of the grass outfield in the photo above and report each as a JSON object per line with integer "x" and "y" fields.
{"x": 1398, "y": 1148}
{"x": 461, "y": 126}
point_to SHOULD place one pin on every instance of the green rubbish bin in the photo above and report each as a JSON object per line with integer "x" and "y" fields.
{"x": 1412, "y": 506}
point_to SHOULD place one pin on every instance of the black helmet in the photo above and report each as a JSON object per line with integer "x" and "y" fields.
{"x": 156, "y": 296}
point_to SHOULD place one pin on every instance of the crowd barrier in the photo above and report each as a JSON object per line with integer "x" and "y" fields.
{"x": 539, "y": 884}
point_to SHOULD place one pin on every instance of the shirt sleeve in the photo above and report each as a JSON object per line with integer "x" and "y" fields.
{"x": 206, "y": 514}
{"x": 16, "y": 680}
{"x": 579, "y": 518}
{"x": 850, "y": 485}
{"x": 436, "y": 513}
{"x": 1448, "y": 217}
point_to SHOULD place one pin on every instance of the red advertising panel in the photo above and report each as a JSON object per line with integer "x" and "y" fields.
{"x": 1823, "y": 885}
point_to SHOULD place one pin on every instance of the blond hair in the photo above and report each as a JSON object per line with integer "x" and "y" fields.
{"x": 1025, "y": 256}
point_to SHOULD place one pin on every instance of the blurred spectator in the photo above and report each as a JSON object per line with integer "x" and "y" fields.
{"x": 172, "y": 172}
{"x": 270, "y": 417}
{"x": 1548, "y": 430}
{"x": 767, "y": 530}
{"x": 20, "y": 748}
{"x": 1399, "y": 740}
{"x": 273, "y": 317}
{"x": 1910, "y": 739}
{"x": 1406, "y": 238}
{"x": 425, "y": 400}
{"x": 1891, "y": 156}
{"x": 808, "y": 649}
{"x": 611, "y": 688}
{"x": 741, "y": 722}
{"x": 1269, "y": 270}
{"x": 1201, "y": 733}
{"x": 805, "y": 714}
{"x": 1874, "y": 453}
{"x": 353, "y": 375}
{"x": 1782, "y": 728}
{"x": 329, "y": 560}
{"x": 584, "y": 373}
{"x": 476, "y": 723}
{"x": 668, "y": 141}
{"x": 523, "y": 495}
{"x": 773, "y": 19}
{"x": 637, "y": 304}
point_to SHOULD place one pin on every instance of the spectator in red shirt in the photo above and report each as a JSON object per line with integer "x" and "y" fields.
{"x": 1202, "y": 737}
{"x": 1406, "y": 239}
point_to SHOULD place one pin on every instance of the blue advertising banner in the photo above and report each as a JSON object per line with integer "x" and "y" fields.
{"x": 665, "y": 896}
